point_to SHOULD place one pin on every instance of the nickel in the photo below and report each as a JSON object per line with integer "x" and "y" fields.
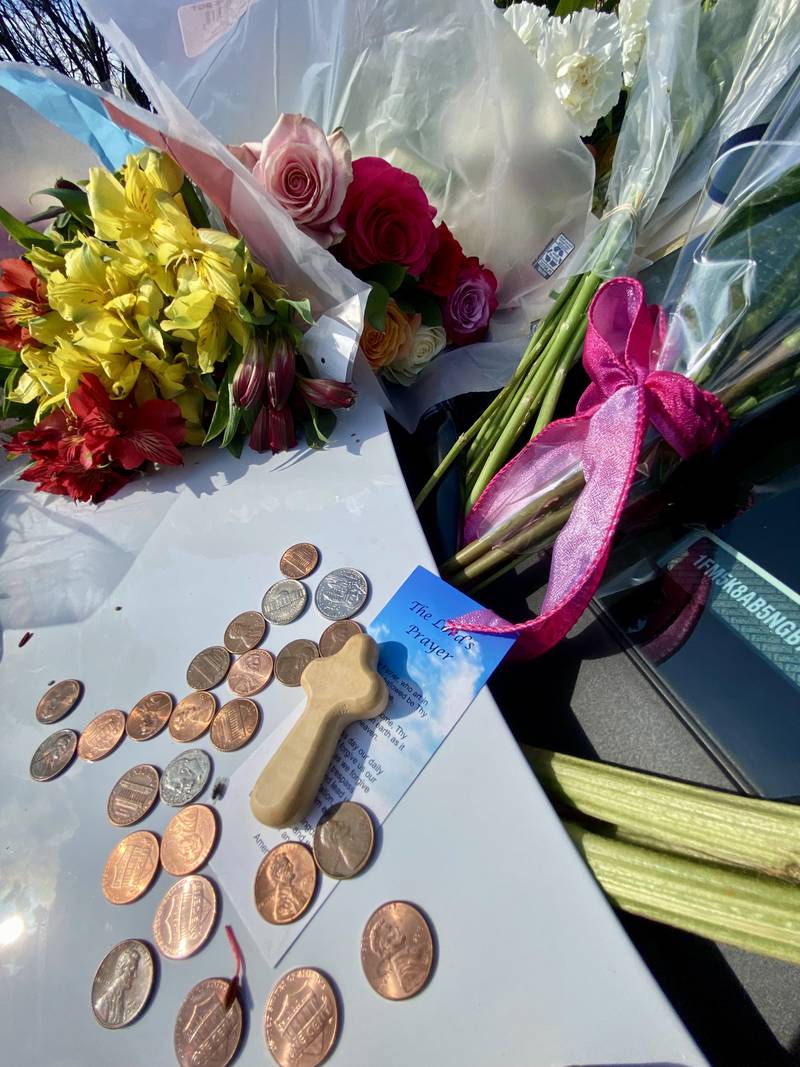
{"x": 53, "y": 755}
{"x": 299, "y": 560}
{"x": 234, "y": 724}
{"x": 293, "y": 660}
{"x": 284, "y": 601}
{"x": 58, "y": 701}
{"x": 131, "y": 867}
{"x": 192, "y": 716}
{"x": 251, "y": 672}
{"x": 301, "y": 1019}
{"x": 185, "y": 777}
{"x": 188, "y": 839}
{"x": 207, "y": 1033}
{"x": 244, "y": 632}
{"x": 337, "y": 635}
{"x": 341, "y": 593}
{"x": 285, "y": 883}
{"x": 185, "y": 917}
{"x": 149, "y": 716}
{"x": 102, "y": 735}
{"x": 133, "y": 795}
{"x": 397, "y": 950}
{"x": 343, "y": 840}
{"x": 122, "y": 984}
{"x": 208, "y": 667}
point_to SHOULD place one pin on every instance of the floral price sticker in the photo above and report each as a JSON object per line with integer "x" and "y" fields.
{"x": 202, "y": 24}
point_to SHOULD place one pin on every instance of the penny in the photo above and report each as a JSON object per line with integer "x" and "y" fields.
{"x": 251, "y": 672}
{"x": 285, "y": 883}
{"x": 293, "y": 660}
{"x": 234, "y": 724}
{"x": 299, "y": 560}
{"x": 207, "y": 1033}
{"x": 102, "y": 735}
{"x": 343, "y": 840}
{"x": 341, "y": 593}
{"x": 133, "y": 795}
{"x": 337, "y": 635}
{"x": 131, "y": 867}
{"x": 185, "y": 777}
{"x": 122, "y": 984}
{"x": 185, "y": 916}
{"x": 53, "y": 755}
{"x": 58, "y": 701}
{"x": 192, "y": 716}
{"x": 284, "y": 601}
{"x": 244, "y": 632}
{"x": 208, "y": 667}
{"x": 301, "y": 1019}
{"x": 149, "y": 716}
{"x": 397, "y": 950}
{"x": 188, "y": 839}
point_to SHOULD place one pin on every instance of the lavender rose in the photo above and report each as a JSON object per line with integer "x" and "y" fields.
{"x": 471, "y": 304}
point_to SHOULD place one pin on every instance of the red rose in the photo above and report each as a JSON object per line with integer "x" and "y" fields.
{"x": 386, "y": 218}
{"x": 471, "y": 304}
{"x": 449, "y": 258}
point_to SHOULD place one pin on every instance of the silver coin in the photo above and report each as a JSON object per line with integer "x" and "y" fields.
{"x": 53, "y": 755}
{"x": 122, "y": 984}
{"x": 341, "y": 593}
{"x": 284, "y": 601}
{"x": 185, "y": 777}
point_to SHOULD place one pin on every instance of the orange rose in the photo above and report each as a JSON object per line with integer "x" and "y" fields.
{"x": 382, "y": 347}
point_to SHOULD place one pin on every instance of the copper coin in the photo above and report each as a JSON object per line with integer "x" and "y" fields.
{"x": 299, "y": 560}
{"x": 102, "y": 735}
{"x": 192, "y": 716}
{"x": 131, "y": 867}
{"x": 149, "y": 716}
{"x": 285, "y": 883}
{"x": 337, "y": 635}
{"x": 301, "y": 1019}
{"x": 122, "y": 984}
{"x": 188, "y": 839}
{"x": 208, "y": 667}
{"x": 251, "y": 672}
{"x": 245, "y": 632}
{"x": 133, "y": 795}
{"x": 58, "y": 701}
{"x": 207, "y": 1033}
{"x": 397, "y": 950}
{"x": 53, "y": 755}
{"x": 293, "y": 659}
{"x": 185, "y": 917}
{"x": 234, "y": 724}
{"x": 343, "y": 840}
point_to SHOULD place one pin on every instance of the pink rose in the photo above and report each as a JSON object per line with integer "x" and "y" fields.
{"x": 471, "y": 304}
{"x": 386, "y": 218}
{"x": 305, "y": 171}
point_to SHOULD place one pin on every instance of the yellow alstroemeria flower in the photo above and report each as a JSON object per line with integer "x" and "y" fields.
{"x": 200, "y": 258}
{"x": 191, "y": 404}
{"x": 161, "y": 170}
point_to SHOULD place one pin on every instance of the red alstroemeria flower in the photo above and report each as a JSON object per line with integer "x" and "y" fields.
{"x": 25, "y": 299}
{"x": 73, "y": 480}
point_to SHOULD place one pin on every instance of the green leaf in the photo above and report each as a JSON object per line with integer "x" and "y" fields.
{"x": 319, "y": 427}
{"x": 302, "y": 308}
{"x": 234, "y": 418}
{"x": 75, "y": 201}
{"x": 390, "y": 275}
{"x": 194, "y": 205}
{"x": 255, "y": 320}
{"x": 21, "y": 233}
{"x": 222, "y": 408}
{"x": 10, "y": 382}
{"x": 568, "y": 7}
{"x": 429, "y": 308}
{"x": 45, "y": 216}
{"x": 9, "y": 358}
{"x": 377, "y": 302}
{"x": 236, "y": 445}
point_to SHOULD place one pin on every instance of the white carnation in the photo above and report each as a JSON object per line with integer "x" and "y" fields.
{"x": 528, "y": 22}
{"x": 428, "y": 342}
{"x": 632, "y": 30}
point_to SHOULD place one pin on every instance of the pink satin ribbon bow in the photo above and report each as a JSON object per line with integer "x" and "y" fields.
{"x": 604, "y": 437}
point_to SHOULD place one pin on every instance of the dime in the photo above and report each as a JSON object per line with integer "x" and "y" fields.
{"x": 102, "y": 735}
{"x": 299, "y": 560}
{"x": 207, "y": 1033}
{"x": 192, "y": 716}
{"x": 343, "y": 840}
{"x": 149, "y": 716}
{"x": 131, "y": 867}
{"x": 285, "y": 883}
{"x": 244, "y": 632}
{"x": 251, "y": 672}
{"x": 301, "y": 1019}
{"x": 53, "y": 755}
{"x": 122, "y": 984}
{"x": 284, "y": 601}
{"x": 337, "y": 635}
{"x": 185, "y": 777}
{"x": 208, "y": 667}
{"x": 58, "y": 701}
{"x": 397, "y": 950}
{"x": 341, "y": 593}
{"x": 293, "y": 660}
{"x": 234, "y": 724}
{"x": 185, "y": 916}
{"x": 188, "y": 839}
{"x": 133, "y": 795}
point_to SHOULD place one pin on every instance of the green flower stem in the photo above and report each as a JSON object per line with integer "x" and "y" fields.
{"x": 566, "y": 363}
{"x": 476, "y": 466}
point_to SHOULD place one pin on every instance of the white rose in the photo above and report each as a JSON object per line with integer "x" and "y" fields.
{"x": 632, "y": 30}
{"x": 428, "y": 342}
{"x": 528, "y": 22}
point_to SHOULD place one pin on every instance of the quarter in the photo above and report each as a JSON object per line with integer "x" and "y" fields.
{"x": 341, "y": 593}
{"x": 337, "y": 635}
{"x": 133, "y": 795}
{"x": 188, "y": 839}
{"x": 149, "y": 716}
{"x": 299, "y": 560}
{"x": 234, "y": 724}
{"x": 185, "y": 777}
{"x": 192, "y": 716}
{"x": 343, "y": 840}
{"x": 207, "y": 1034}
{"x": 58, "y": 701}
{"x": 131, "y": 867}
{"x": 285, "y": 882}
{"x": 293, "y": 659}
{"x": 102, "y": 735}
{"x": 284, "y": 601}
{"x": 397, "y": 950}
{"x": 53, "y": 755}
{"x": 244, "y": 632}
{"x": 208, "y": 667}
{"x": 301, "y": 1019}
{"x": 122, "y": 984}
{"x": 251, "y": 672}
{"x": 185, "y": 917}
